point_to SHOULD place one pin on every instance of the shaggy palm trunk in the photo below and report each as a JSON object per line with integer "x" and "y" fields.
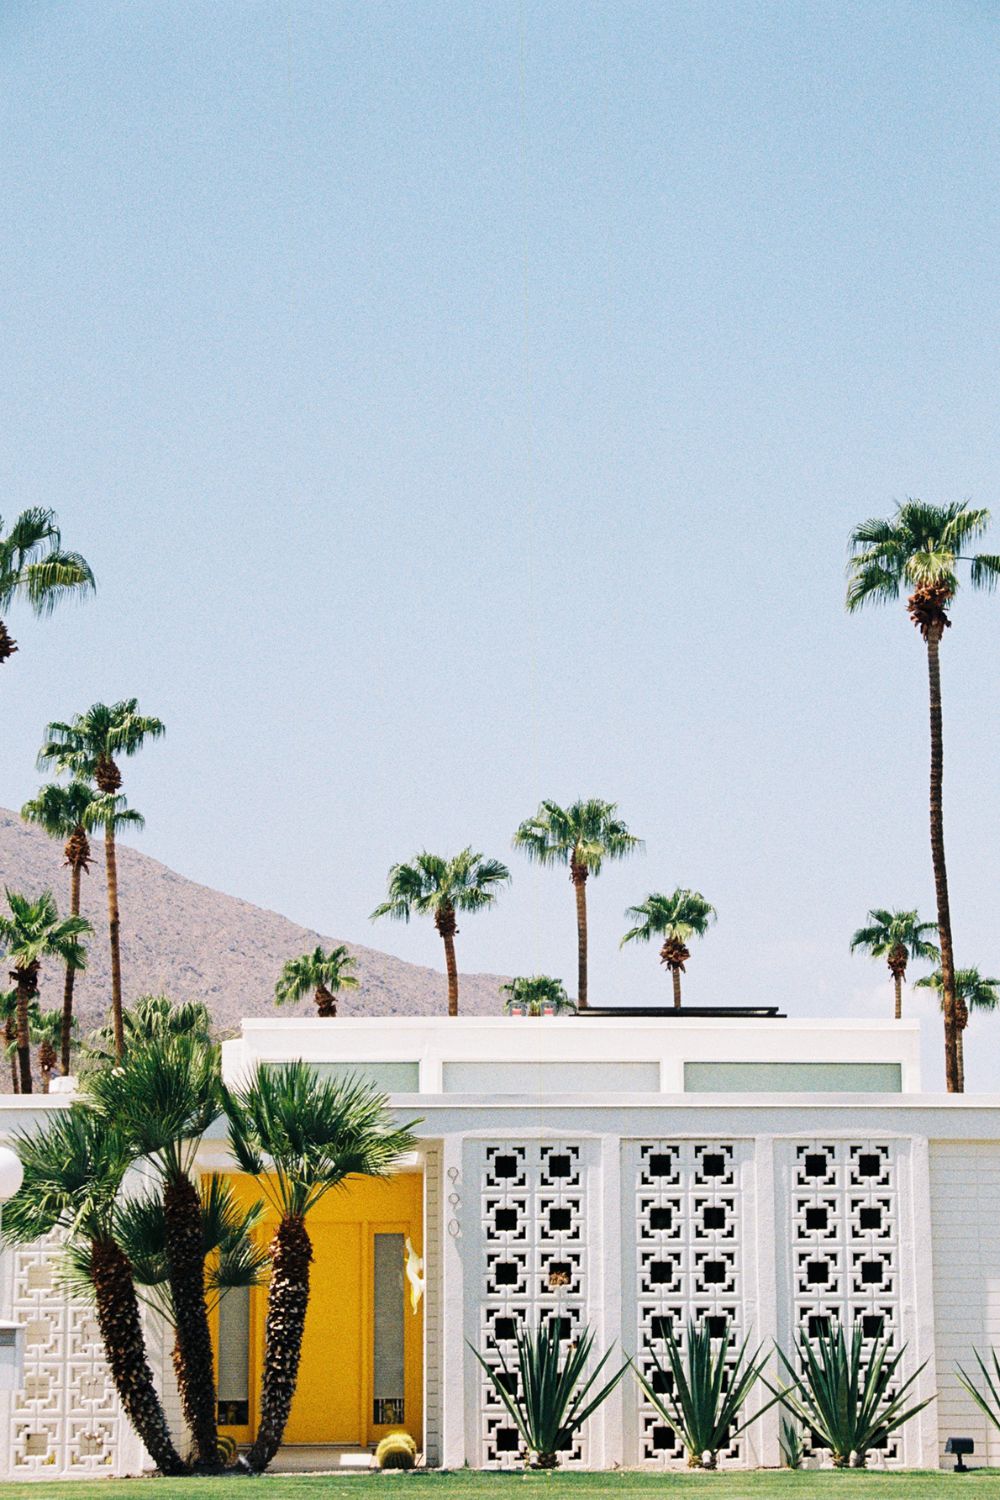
{"x": 77, "y": 857}
{"x": 897, "y": 968}
{"x": 953, "y": 1080}
{"x": 27, "y": 990}
{"x": 578, "y": 874}
{"x": 325, "y": 1003}
{"x": 114, "y": 930}
{"x": 10, "y": 1037}
{"x": 125, "y": 1350}
{"x": 46, "y": 1063}
{"x": 186, "y": 1275}
{"x": 444, "y": 921}
{"x": 962, "y": 1020}
{"x": 287, "y": 1301}
{"x": 7, "y": 645}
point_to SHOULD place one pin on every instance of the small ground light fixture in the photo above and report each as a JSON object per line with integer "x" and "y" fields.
{"x": 960, "y": 1447}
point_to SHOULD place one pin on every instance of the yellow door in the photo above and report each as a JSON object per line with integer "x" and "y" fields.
{"x": 327, "y": 1404}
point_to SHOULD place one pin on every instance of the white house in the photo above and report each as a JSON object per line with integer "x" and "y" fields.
{"x": 616, "y": 1170}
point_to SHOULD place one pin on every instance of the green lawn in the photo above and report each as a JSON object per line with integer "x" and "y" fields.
{"x": 475, "y": 1486}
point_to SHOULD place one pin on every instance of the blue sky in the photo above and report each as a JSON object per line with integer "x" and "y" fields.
{"x": 467, "y": 404}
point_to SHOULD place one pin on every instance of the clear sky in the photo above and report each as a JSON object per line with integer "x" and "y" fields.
{"x": 467, "y": 403}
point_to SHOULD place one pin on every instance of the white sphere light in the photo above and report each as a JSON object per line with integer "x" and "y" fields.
{"x": 11, "y": 1173}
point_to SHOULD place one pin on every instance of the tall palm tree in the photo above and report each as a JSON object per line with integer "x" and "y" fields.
{"x": 35, "y": 567}
{"x": 89, "y": 747}
{"x": 301, "y": 1137}
{"x": 536, "y": 993}
{"x": 32, "y": 933}
{"x": 46, "y": 1033}
{"x": 677, "y": 919}
{"x": 582, "y": 836}
{"x": 896, "y": 936}
{"x": 430, "y": 885}
{"x": 163, "y": 1097}
{"x": 973, "y": 991}
{"x": 73, "y": 1171}
{"x": 920, "y": 547}
{"x": 322, "y": 973}
{"x": 63, "y": 812}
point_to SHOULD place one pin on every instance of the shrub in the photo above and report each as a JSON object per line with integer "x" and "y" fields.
{"x": 850, "y": 1402}
{"x": 988, "y": 1401}
{"x": 700, "y": 1395}
{"x": 396, "y": 1451}
{"x": 546, "y": 1396}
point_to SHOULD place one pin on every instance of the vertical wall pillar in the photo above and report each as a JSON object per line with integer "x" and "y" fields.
{"x": 762, "y": 1313}
{"x": 452, "y": 1335}
{"x": 918, "y": 1305}
{"x": 605, "y": 1310}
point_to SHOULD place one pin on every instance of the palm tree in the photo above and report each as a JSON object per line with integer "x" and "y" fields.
{"x": 163, "y": 1097}
{"x": 920, "y": 547}
{"x": 323, "y": 973}
{"x": 301, "y": 1137}
{"x": 536, "y": 994}
{"x": 581, "y": 836}
{"x": 150, "y": 1018}
{"x": 677, "y": 919}
{"x": 46, "y": 1033}
{"x": 973, "y": 991}
{"x": 73, "y": 1170}
{"x": 32, "y": 933}
{"x": 896, "y": 936}
{"x": 443, "y": 887}
{"x": 63, "y": 812}
{"x": 35, "y": 567}
{"x": 89, "y": 748}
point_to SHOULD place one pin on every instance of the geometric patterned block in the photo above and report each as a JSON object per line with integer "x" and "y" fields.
{"x": 534, "y": 1265}
{"x": 66, "y": 1419}
{"x": 845, "y": 1241}
{"x": 689, "y": 1263}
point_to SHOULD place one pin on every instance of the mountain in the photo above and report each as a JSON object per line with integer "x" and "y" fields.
{"x": 193, "y": 943}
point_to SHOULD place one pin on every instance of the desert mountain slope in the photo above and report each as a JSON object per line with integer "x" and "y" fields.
{"x": 193, "y": 943}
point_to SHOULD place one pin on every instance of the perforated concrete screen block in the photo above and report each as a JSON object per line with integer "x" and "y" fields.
{"x": 688, "y": 1201}
{"x": 793, "y": 1078}
{"x": 11, "y": 1356}
{"x": 534, "y": 1266}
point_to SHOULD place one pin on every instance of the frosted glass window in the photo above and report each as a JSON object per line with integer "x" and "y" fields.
{"x": 793, "y": 1078}
{"x": 390, "y": 1328}
{"x": 391, "y": 1077}
{"x": 234, "y": 1352}
{"x": 552, "y": 1077}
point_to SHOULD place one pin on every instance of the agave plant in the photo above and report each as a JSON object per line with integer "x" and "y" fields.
{"x": 702, "y": 1391}
{"x": 988, "y": 1401}
{"x": 849, "y": 1400}
{"x": 548, "y": 1397}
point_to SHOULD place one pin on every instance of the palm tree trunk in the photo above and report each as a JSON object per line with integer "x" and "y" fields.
{"x": 287, "y": 1301}
{"x": 898, "y": 981}
{"x": 114, "y": 926}
{"x": 24, "y": 998}
{"x": 325, "y": 1003}
{"x": 186, "y": 1276}
{"x": 67, "y": 1015}
{"x": 451, "y": 966}
{"x": 578, "y": 875}
{"x": 125, "y": 1350}
{"x": 960, "y": 1047}
{"x": 10, "y": 1035}
{"x": 675, "y": 975}
{"x": 953, "y": 1080}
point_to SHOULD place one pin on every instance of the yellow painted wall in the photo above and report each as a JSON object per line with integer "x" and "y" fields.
{"x": 334, "y": 1398}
